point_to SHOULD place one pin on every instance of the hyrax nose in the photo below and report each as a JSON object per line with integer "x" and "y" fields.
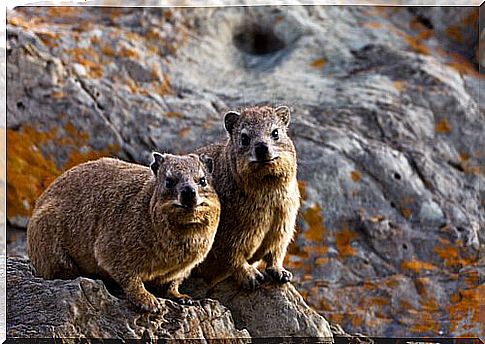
{"x": 188, "y": 196}
{"x": 261, "y": 150}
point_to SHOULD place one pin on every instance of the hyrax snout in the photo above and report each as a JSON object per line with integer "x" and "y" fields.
{"x": 128, "y": 223}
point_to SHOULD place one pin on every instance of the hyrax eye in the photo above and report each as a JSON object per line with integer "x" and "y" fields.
{"x": 202, "y": 181}
{"x": 169, "y": 183}
{"x": 245, "y": 140}
{"x": 275, "y": 134}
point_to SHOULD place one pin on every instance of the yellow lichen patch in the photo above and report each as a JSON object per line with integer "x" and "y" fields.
{"x": 314, "y": 218}
{"x": 315, "y": 250}
{"x": 406, "y": 305}
{"x": 416, "y": 266}
{"x": 326, "y": 305}
{"x": 108, "y": 50}
{"x": 406, "y": 212}
{"x": 443, "y": 126}
{"x": 399, "y": 85}
{"x": 322, "y": 260}
{"x": 372, "y": 25}
{"x": 454, "y": 32}
{"x": 416, "y": 44}
{"x": 302, "y": 189}
{"x": 466, "y": 309}
{"x": 463, "y": 65}
{"x": 49, "y": 38}
{"x": 319, "y": 63}
{"x": 425, "y": 323}
{"x": 450, "y": 254}
{"x": 62, "y": 12}
{"x": 184, "y": 132}
{"x": 356, "y": 176}
{"x": 173, "y": 114}
{"x": 30, "y": 171}
{"x": 163, "y": 87}
{"x": 128, "y": 52}
{"x": 89, "y": 59}
{"x": 343, "y": 240}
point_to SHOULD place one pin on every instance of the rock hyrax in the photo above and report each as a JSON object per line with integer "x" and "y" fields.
{"x": 127, "y": 222}
{"x": 255, "y": 178}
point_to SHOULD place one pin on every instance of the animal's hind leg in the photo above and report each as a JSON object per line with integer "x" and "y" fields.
{"x": 56, "y": 264}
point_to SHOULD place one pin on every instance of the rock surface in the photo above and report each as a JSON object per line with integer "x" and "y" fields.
{"x": 387, "y": 124}
{"x": 84, "y": 308}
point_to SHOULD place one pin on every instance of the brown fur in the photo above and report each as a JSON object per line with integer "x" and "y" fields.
{"x": 119, "y": 220}
{"x": 259, "y": 201}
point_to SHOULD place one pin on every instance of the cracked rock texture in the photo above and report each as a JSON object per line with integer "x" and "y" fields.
{"x": 86, "y": 309}
{"x": 386, "y": 120}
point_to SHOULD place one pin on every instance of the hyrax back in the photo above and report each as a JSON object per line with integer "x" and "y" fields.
{"x": 128, "y": 222}
{"x": 255, "y": 177}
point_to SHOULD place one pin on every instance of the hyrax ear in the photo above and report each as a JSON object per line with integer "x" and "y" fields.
{"x": 158, "y": 160}
{"x": 230, "y": 120}
{"x": 208, "y": 162}
{"x": 283, "y": 112}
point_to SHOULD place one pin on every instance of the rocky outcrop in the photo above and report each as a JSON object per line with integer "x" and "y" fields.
{"x": 387, "y": 124}
{"x": 84, "y": 308}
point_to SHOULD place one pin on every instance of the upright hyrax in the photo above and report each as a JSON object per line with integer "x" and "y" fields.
{"x": 255, "y": 178}
{"x": 127, "y": 222}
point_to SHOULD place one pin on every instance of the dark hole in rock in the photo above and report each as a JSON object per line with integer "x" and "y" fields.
{"x": 397, "y": 176}
{"x": 460, "y": 229}
{"x": 20, "y": 106}
{"x": 425, "y": 21}
{"x": 393, "y": 205}
{"x": 404, "y": 246}
{"x": 255, "y": 40}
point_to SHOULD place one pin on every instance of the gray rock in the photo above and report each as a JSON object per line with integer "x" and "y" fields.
{"x": 83, "y": 307}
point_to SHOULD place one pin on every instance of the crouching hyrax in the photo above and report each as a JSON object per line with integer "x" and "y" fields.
{"x": 128, "y": 223}
{"x": 255, "y": 178}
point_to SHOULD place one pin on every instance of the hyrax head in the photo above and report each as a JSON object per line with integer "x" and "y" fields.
{"x": 183, "y": 191}
{"x": 260, "y": 142}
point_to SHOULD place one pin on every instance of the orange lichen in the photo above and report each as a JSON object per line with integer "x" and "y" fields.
{"x": 416, "y": 266}
{"x": 466, "y": 308}
{"x": 128, "y": 52}
{"x": 108, "y": 50}
{"x": 372, "y": 25}
{"x": 399, "y": 85}
{"x": 184, "y": 132}
{"x": 356, "y": 176}
{"x": 173, "y": 114}
{"x": 463, "y": 65}
{"x": 322, "y": 261}
{"x": 30, "y": 171}
{"x": 455, "y": 33}
{"x": 416, "y": 44}
{"x": 343, "y": 240}
{"x": 88, "y": 58}
{"x": 450, "y": 254}
{"x": 163, "y": 87}
{"x": 319, "y": 63}
{"x": 314, "y": 218}
{"x": 406, "y": 212}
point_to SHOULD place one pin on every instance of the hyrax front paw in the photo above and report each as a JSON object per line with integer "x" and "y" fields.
{"x": 253, "y": 279}
{"x": 146, "y": 302}
{"x": 279, "y": 274}
{"x": 182, "y": 299}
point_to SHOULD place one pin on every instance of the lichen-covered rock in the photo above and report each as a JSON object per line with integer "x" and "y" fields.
{"x": 84, "y": 308}
{"x": 387, "y": 124}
